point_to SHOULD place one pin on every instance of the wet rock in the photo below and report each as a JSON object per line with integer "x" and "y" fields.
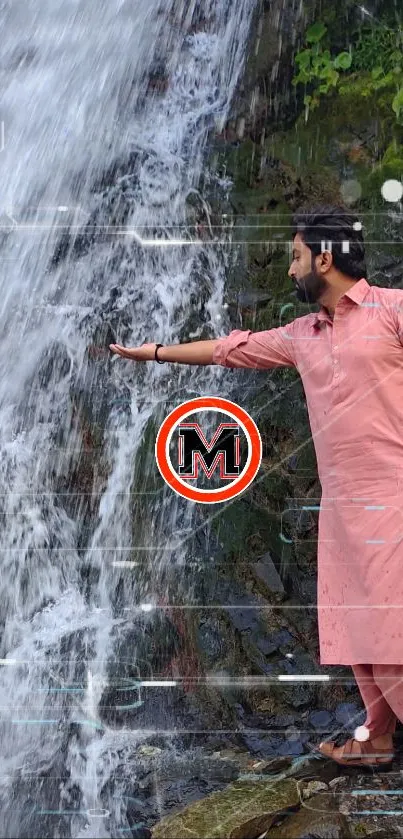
{"x": 240, "y": 710}
{"x": 276, "y": 765}
{"x": 349, "y": 714}
{"x": 340, "y": 781}
{"x": 265, "y": 746}
{"x": 211, "y": 639}
{"x": 252, "y": 298}
{"x": 54, "y": 365}
{"x": 158, "y": 79}
{"x": 125, "y": 701}
{"x": 250, "y": 644}
{"x": 273, "y": 766}
{"x": 258, "y": 720}
{"x": 283, "y": 720}
{"x": 292, "y": 747}
{"x": 294, "y": 733}
{"x": 318, "y": 821}
{"x": 312, "y": 787}
{"x": 228, "y": 763}
{"x": 266, "y": 573}
{"x": 266, "y": 645}
{"x": 149, "y": 751}
{"x": 279, "y": 639}
{"x": 320, "y": 719}
{"x": 245, "y": 614}
{"x": 298, "y": 694}
{"x": 37, "y": 402}
{"x": 385, "y": 833}
{"x": 242, "y": 811}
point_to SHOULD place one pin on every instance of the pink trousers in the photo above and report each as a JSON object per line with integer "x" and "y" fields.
{"x": 381, "y": 689}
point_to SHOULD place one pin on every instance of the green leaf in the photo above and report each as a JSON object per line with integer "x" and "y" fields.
{"x": 397, "y": 103}
{"x": 318, "y": 68}
{"x": 303, "y": 58}
{"x": 332, "y": 77}
{"x": 385, "y": 81}
{"x": 315, "y": 32}
{"x": 303, "y": 77}
{"x": 376, "y": 72}
{"x": 342, "y": 61}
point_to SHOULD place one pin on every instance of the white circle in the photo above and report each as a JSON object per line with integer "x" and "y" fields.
{"x": 357, "y": 225}
{"x": 392, "y": 190}
{"x": 220, "y": 411}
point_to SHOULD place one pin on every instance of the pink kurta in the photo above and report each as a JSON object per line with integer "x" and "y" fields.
{"x": 352, "y": 373}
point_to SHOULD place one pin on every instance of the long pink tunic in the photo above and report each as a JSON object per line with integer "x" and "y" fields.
{"x": 352, "y": 373}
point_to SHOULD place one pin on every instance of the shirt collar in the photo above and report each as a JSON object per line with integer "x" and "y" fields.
{"x": 356, "y": 293}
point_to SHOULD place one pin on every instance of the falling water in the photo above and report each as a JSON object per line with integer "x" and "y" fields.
{"x": 94, "y": 164}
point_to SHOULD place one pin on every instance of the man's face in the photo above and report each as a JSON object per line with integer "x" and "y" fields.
{"x": 309, "y": 284}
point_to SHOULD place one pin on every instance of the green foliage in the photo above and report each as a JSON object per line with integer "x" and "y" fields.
{"x": 377, "y": 47}
{"x": 375, "y": 63}
{"x": 316, "y": 66}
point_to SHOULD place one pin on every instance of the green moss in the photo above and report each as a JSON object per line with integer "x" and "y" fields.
{"x": 240, "y": 162}
{"x": 239, "y": 521}
{"x": 241, "y": 809}
{"x": 360, "y": 829}
{"x": 389, "y": 167}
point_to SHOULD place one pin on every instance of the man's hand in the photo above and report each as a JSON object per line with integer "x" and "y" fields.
{"x": 144, "y": 353}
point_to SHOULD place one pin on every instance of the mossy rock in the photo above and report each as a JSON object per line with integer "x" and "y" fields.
{"x": 146, "y": 475}
{"x": 243, "y": 810}
{"x": 319, "y": 817}
{"x": 390, "y": 167}
{"x": 243, "y": 529}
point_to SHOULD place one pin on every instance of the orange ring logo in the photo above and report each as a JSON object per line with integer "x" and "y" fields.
{"x": 179, "y": 485}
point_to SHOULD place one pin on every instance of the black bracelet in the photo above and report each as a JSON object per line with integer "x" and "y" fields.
{"x": 155, "y": 356}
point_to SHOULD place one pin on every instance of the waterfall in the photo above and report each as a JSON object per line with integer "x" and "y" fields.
{"x": 96, "y": 165}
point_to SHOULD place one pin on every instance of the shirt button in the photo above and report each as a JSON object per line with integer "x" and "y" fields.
{"x": 336, "y": 347}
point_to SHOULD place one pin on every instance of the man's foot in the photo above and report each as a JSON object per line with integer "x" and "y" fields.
{"x": 376, "y": 752}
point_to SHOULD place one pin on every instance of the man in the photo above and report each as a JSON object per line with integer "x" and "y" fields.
{"x": 350, "y": 359}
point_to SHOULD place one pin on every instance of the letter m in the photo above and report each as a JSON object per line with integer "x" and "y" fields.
{"x": 194, "y": 450}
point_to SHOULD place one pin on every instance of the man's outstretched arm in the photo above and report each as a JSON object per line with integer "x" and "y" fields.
{"x": 241, "y": 348}
{"x": 195, "y": 352}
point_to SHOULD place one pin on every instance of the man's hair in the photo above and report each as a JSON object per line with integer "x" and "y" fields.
{"x": 321, "y": 225}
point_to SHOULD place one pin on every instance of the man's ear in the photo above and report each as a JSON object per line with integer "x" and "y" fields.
{"x": 326, "y": 260}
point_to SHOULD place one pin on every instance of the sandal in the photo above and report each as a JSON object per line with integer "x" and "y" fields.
{"x": 366, "y": 755}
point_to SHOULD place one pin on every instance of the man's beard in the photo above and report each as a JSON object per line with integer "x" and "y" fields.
{"x": 310, "y": 287}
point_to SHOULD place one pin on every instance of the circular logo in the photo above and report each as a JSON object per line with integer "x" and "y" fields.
{"x": 239, "y": 418}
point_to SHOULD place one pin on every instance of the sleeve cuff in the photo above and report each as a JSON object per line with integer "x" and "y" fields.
{"x": 228, "y": 343}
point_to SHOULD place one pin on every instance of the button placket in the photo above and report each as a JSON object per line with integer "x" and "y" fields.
{"x": 336, "y": 364}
